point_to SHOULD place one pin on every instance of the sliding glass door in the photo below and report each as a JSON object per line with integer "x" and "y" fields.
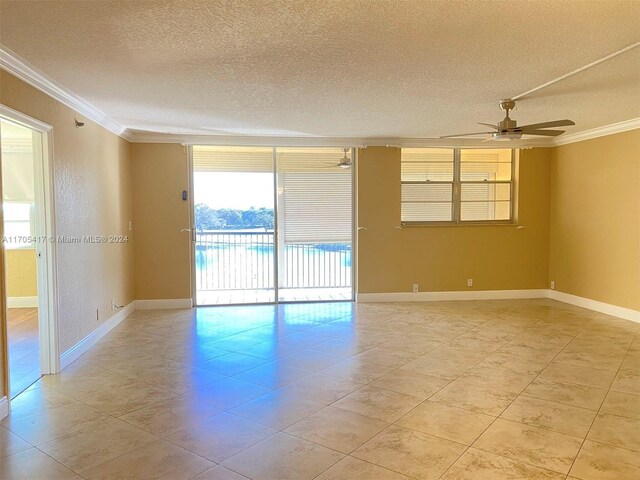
{"x": 234, "y": 234}
{"x": 272, "y": 224}
{"x": 315, "y": 224}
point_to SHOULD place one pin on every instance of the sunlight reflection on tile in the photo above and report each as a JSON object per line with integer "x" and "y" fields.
{"x": 404, "y": 387}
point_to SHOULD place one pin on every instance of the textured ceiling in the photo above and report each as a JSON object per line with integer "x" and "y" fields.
{"x": 396, "y": 68}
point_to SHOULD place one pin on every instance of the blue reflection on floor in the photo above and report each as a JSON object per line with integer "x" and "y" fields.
{"x": 269, "y": 331}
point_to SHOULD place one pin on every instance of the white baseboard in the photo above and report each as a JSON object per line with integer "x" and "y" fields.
{"x": 456, "y": 295}
{"x": 4, "y": 407}
{"x": 607, "y": 308}
{"x": 164, "y": 304}
{"x": 181, "y": 303}
{"x": 90, "y": 340}
{"x": 22, "y": 302}
{"x": 613, "y": 310}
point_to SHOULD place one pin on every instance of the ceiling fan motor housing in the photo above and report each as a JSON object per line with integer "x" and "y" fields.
{"x": 506, "y": 124}
{"x": 507, "y": 105}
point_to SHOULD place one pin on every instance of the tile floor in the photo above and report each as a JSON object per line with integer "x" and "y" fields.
{"x": 237, "y": 297}
{"x": 529, "y": 389}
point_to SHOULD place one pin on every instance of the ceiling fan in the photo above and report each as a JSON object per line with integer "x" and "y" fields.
{"x": 507, "y": 129}
{"x": 345, "y": 161}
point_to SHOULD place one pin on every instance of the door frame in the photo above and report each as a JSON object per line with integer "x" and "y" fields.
{"x": 46, "y": 248}
{"x": 354, "y": 228}
{"x": 192, "y": 226}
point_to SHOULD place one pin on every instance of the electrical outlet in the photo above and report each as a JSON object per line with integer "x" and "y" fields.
{"x": 130, "y": 225}
{"x": 553, "y": 285}
{"x": 469, "y": 282}
{"x": 415, "y": 288}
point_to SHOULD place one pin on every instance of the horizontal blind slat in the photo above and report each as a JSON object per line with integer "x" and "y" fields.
{"x": 317, "y": 207}
{"x": 232, "y": 159}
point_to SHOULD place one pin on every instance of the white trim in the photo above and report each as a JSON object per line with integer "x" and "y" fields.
{"x": 94, "y": 337}
{"x": 619, "y": 127}
{"x": 346, "y": 142}
{"x": 19, "y": 117}
{"x": 19, "y": 67}
{"x": 607, "y": 308}
{"x": 4, "y": 407}
{"x": 455, "y": 295}
{"x": 44, "y": 183}
{"x": 192, "y": 229}
{"x": 595, "y": 305}
{"x": 22, "y": 302}
{"x": 271, "y": 141}
{"x": 164, "y": 304}
{"x": 45, "y": 252}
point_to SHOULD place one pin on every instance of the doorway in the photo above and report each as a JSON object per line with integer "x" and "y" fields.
{"x": 27, "y": 250}
{"x": 272, "y": 224}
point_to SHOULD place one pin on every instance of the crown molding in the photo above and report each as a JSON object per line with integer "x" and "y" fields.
{"x": 619, "y": 127}
{"x": 273, "y": 141}
{"x": 20, "y": 68}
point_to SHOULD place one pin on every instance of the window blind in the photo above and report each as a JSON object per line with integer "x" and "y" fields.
{"x": 232, "y": 159}
{"x": 485, "y": 184}
{"x": 427, "y": 176}
{"x": 315, "y": 195}
{"x": 17, "y": 164}
{"x": 455, "y": 185}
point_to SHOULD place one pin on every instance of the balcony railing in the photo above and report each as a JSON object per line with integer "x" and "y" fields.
{"x": 246, "y": 261}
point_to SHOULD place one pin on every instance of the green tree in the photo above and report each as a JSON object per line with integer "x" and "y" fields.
{"x": 265, "y": 217}
{"x": 206, "y": 218}
{"x": 231, "y": 218}
{"x": 250, "y": 218}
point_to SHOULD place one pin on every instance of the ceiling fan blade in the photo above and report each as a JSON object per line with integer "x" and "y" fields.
{"x": 338, "y": 165}
{"x": 495, "y": 127}
{"x": 465, "y": 134}
{"x": 546, "y": 133}
{"x": 556, "y": 123}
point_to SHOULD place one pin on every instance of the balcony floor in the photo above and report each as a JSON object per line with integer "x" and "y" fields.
{"x": 232, "y": 297}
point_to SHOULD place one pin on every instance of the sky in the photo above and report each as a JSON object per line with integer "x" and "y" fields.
{"x": 233, "y": 190}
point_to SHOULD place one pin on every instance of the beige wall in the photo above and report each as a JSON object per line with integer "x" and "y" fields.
{"x": 437, "y": 258}
{"x": 441, "y": 258}
{"x": 162, "y": 250}
{"x": 92, "y": 197}
{"x": 22, "y": 274}
{"x": 390, "y": 260}
{"x": 595, "y": 219}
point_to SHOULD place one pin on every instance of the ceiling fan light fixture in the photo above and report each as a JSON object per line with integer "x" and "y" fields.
{"x": 506, "y": 136}
{"x": 507, "y": 129}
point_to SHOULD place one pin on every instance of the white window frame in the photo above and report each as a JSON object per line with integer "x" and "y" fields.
{"x": 456, "y": 194}
{"x": 32, "y": 227}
